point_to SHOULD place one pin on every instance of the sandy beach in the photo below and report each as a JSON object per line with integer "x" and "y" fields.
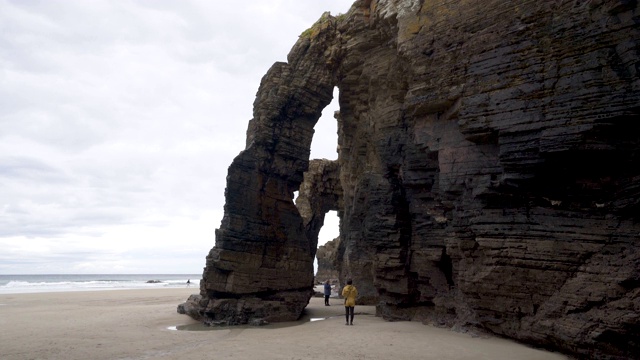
{"x": 144, "y": 324}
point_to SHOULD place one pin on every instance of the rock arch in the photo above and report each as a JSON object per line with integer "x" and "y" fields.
{"x": 261, "y": 267}
{"x": 488, "y": 162}
{"x": 320, "y": 192}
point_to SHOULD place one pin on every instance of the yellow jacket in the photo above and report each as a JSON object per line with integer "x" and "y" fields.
{"x": 349, "y": 294}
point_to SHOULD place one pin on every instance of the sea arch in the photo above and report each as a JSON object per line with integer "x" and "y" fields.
{"x": 261, "y": 267}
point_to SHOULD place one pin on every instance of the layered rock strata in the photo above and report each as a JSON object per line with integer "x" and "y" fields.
{"x": 261, "y": 268}
{"x": 327, "y": 268}
{"x": 489, "y": 166}
{"x": 320, "y": 192}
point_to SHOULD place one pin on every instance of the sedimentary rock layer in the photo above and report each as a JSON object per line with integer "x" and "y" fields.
{"x": 261, "y": 268}
{"x": 488, "y": 172}
{"x": 326, "y": 256}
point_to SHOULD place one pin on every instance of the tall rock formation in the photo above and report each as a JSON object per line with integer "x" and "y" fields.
{"x": 321, "y": 192}
{"x": 489, "y": 172}
{"x": 327, "y": 255}
{"x": 261, "y": 268}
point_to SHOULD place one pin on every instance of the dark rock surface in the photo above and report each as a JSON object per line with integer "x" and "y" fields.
{"x": 262, "y": 264}
{"x": 321, "y": 192}
{"x": 489, "y": 172}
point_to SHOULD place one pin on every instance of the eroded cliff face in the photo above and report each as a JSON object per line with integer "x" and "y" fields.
{"x": 489, "y": 172}
{"x": 261, "y": 268}
{"x": 321, "y": 192}
{"x": 326, "y": 256}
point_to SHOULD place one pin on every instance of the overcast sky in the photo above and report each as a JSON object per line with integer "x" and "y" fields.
{"x": 119, "y": 119}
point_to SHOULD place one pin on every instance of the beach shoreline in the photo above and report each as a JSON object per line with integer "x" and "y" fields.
{"x": 35, "y": 283}
{"x": 142, "y": 323}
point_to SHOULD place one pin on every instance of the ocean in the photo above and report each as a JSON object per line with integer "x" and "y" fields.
{"x": 18, "y": 284}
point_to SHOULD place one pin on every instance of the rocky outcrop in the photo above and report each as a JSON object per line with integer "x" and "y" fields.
{"x": 327, "y": 255}
{"x": 320, "y": 192}
{"x": 261, "y": 267}
{"x": 488, "y": 172}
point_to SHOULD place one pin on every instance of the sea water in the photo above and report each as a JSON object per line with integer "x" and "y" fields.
{"x": 17, "y": 284}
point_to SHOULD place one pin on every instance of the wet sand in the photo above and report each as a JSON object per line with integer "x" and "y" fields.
{"x": 142, "y": 324}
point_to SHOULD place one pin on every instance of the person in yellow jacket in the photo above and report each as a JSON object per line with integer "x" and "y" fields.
{"x": 349, "y": 294}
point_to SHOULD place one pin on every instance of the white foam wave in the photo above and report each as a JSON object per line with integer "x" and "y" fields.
{"x": 19, "y": 286}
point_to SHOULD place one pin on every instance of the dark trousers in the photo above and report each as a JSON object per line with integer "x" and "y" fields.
{"x": 326, "y": 299}
{"x": 349, "y": 313}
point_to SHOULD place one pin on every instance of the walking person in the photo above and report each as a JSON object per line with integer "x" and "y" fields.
{"x": 327, "y": 292}
{"x": 349, "y": 294}
{"x": 188, "y": 282}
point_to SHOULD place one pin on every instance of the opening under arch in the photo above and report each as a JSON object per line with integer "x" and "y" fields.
{"x": 329, "y": 231}
{"x": 324, "y": 144}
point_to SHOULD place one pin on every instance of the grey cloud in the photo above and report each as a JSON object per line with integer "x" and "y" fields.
{"x": 29, "y": 169}
{"x": 124, "y": 116}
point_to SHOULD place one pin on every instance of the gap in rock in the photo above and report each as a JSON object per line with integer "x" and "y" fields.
{"x": 329, "y": 231}
{"x": 331, "y": 228}
{"x": 325, "y": 139}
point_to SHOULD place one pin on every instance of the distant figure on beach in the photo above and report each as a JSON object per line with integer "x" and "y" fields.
{"x": 327, "y": 292}
{"x": 349, "y": 294}
{"x": 188, "y": 282}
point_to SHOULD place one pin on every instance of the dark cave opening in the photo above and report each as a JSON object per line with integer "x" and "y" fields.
{"x": 446, "y": 266}
{"x": 596, "y": 172}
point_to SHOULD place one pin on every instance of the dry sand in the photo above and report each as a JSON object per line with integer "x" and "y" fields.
{"x": 137, "y": 324}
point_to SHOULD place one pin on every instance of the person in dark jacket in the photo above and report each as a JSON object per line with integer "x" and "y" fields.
{"x": 327, "y": 292}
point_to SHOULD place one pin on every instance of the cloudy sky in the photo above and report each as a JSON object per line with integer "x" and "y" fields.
{"x": 118, "y": 120}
